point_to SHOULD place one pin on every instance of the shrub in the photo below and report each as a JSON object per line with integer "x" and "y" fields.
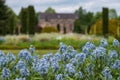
{"x": 49, "y": 29}
{"x": 113, "y": 25}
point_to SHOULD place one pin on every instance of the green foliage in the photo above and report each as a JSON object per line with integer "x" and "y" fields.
{"x": 85, "y": 19}
{"x": 24, "y": 20}
{"x": 50, "y": 10}
{"x": 12, "y": 22}
{"x": 3, "y": 17}
{"x": 77, "y": 27}
{"x": 31, "y": 20}
{"x": 113, "y": 25}
{"x": 98, "y": 15}
{"x": 49, "y": 29}
{"x": 105, "y": 23}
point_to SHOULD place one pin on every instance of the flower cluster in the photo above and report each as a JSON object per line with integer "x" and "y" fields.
{"x": 92, "y": 63}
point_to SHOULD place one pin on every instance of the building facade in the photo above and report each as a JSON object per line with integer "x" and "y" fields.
{"x": 63, "y": 22}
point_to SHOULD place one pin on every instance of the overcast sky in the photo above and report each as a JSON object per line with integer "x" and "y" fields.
{"x": 64, "y": 6}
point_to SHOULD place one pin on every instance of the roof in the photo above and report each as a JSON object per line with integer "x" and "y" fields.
{"x": 58, "y": 16}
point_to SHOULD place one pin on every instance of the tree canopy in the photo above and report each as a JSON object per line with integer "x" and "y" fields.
{"x": 50, "y": 10}
{"x": 85, "y": 19}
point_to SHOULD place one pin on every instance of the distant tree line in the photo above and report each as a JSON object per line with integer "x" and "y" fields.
{"x": 8, "y": 19}
{"x": 27, "y": 20}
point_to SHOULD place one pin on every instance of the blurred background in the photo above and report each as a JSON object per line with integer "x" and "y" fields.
{"x": 46, "y": 23}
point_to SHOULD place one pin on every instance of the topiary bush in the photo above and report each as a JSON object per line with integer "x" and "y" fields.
{"x": 49, "y": 29}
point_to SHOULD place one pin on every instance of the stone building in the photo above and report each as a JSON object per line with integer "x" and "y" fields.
{"x": 63, "y": 22}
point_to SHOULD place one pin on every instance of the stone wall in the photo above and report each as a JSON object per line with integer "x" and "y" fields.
{"x": 65, "y": 25}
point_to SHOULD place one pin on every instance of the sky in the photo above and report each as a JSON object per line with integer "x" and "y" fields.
{"x": 64, "y": 6}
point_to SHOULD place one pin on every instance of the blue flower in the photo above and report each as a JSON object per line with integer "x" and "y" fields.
{"x": 72, "y": 53}
{"x": 32, "y": 49}
{"x": 79, "y": 74}
{"x": 3, "y": 61}
{"x": 74, "y": 61}
{"x": 65, "y": 56}
{"x": 80, "y": 58}
{"x": 99, "y": 52}
{"x": 107, "y": 73}
{"x": 118, "y": 78}
{"x": 20, "y": 79}
{"x": 103, "y": 43}
{"x": 116, "y": 64}
{"x": 62, "y": 48}
{"x": 70, "y": 69}
{"x": 59, "y": 77}
{"x": 90, "y": 45}
{"x": 55, "y": 66}
{"x": 24, "y": 72}
{"x": 5, "y": 73}
{"x": 11, "y": 57}
{"x": 20, "y": 65}
{"x": 113, "y": 53}
{"x": 90, "y": 69}
{"x": 86, "y": 50}
{"x": 25, "y": 54}
{"x": 41, "y": 66}
{"x": 116, "y": 43}
{"x": 47, "y": 56}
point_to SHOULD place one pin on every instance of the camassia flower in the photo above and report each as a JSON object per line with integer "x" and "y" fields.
{"x": 25, "y": 54}
{"x": 20, "y": 79}
{"x": 99, "y": 52}
{"x": 55, "y": 66}
{"x": 70, "y": 69}
{"x": 20, "y": 65}
{"x": 62, "y": 48}
{"x": 80, "y": 58}
{"x": 59, "y": 77}
{"x": 11, "y": 57}
{"x": 113, "y": 54}
{"x": 103, "y": 43}
{"x": 5, "y": 73}
{"x": 116, "y": 64}
{"x": 24, "y": 72}
{"x": 116, "y": 43}
{"x": 32, "y": 49}
{"x": 107, "y": 73}
{"x": 3, "y": 61}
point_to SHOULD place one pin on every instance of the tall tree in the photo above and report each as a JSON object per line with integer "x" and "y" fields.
{"x": 31, "y": 20}
{"x": 24, "y": 20}
{"x": 105, "y": 21}
{"x": 85, "y": 19}
{"x": 3, "y": 16}
{"x": 12, "y": 22}
{"x": 50, "y": 10}
{"x": 77, "y": 27}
